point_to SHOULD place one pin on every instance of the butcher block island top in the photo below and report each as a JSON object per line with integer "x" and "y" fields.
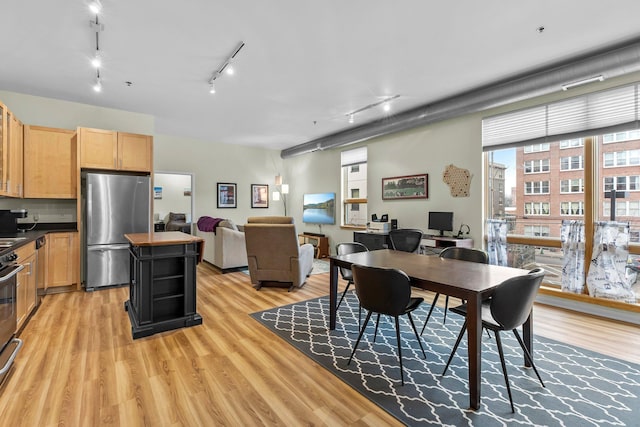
{"x": 162, "y": 238}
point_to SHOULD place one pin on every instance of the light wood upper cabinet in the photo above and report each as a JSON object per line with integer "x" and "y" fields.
{"x": 15, "y": 137}
{"x": 49, "y": 163}
{"x": 135, "y": 152}
{"x": 103, "y": 149}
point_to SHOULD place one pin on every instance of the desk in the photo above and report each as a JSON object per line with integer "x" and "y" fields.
{"x": 471, "y": 281}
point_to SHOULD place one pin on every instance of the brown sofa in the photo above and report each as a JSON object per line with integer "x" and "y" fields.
{"x": 274, "y": 255}
{"x": 177, "y": 222}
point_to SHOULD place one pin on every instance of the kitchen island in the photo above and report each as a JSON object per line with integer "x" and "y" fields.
{"x": 162, "y": 291}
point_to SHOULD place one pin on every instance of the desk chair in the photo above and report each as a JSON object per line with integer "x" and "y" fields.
{"x": 464, "y": 254}
{"x": 385, "y": 291}
{"x": 405, "y": 239}
{"x": 507, "y": 309}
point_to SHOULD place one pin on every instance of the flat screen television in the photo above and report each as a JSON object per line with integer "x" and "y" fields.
{"x": 441, "y": 221}
{"x": 319, "y": 208}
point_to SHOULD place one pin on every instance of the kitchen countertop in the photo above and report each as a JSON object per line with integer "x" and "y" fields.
{"x": 163, "y": 238}
{"x": 40, "y": 230}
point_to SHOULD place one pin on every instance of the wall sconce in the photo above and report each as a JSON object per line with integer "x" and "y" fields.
{"x": 281, "y": 190}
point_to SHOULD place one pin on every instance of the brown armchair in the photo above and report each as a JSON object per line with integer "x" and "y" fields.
{"x": 273, "y": 253}
{"x": 178, "y": 222}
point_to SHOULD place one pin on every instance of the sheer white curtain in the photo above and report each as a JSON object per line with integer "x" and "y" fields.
{"x": 573, "y": 238}
{"x": 497, "y": 241}
{"x": 608, "y": 275}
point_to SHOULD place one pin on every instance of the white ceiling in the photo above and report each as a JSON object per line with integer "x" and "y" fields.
{"x": 305, "y": 64}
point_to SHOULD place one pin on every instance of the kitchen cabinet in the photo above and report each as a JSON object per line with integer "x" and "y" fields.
{"x": 62, "y": 260}
{"x": 50, "y": 167}
{"x": 16, "y": 139}
{"x": 25, "y": 283}
{"x": 104, "y": 149}
{"x": 11, "y": 140}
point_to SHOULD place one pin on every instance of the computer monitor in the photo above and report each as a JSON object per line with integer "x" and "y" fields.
{"x": 441, "y": 221}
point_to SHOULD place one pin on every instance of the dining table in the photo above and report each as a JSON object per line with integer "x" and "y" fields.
{"x": 469, "y": 281}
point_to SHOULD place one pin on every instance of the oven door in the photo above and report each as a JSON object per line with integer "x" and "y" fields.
{"x": 10, "y": 345}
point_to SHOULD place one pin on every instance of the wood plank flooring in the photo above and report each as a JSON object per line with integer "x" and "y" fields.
{"x": 80, "y": 367}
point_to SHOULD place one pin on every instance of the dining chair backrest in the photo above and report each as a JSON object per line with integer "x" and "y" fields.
{"x": 382, "y": 290}
{"x": 465, "y": 254}
{"x": 349, "y": 248}
{"x": 512, "y": 300}
{"x": 405, "y": 239}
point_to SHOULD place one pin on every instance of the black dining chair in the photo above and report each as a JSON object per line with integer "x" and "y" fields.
{"x": 385, "y": 291}
{"x": 405, "y": 239}
{"x": 344, "y": 249}
{"x": 463, "y": 254}
{"x": 507, "y": 309}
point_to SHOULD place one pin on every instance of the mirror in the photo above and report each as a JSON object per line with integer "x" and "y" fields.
{"x": 172, "y": 193}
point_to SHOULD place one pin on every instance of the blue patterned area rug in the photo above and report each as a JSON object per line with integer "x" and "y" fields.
{"x": 583, "y": 388}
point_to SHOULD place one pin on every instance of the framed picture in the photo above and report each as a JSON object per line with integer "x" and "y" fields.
{"x": 259, "y": 196}
{"x": 227, "y": 195}
{"x": 405, "y": 187}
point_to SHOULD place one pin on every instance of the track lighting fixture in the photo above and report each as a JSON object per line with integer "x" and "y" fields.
{"x": 386, "y": 106}
{"x": 212, "y": 88}
{"x": 225, "y": 68}
{"x": 97, "y": 28}
{"x": 568, "y": 86}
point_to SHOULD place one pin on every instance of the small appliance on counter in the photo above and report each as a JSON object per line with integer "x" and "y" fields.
{"x": 9, "y": 220}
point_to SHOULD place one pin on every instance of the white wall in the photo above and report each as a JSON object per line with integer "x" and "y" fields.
{"x": 212, "y": 162}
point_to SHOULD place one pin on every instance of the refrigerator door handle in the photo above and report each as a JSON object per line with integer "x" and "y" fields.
{"x": 104, "y": 248}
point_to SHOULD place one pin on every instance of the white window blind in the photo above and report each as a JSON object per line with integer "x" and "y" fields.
{"x": 598, "y": 112}
{"x": 356, "y": 156}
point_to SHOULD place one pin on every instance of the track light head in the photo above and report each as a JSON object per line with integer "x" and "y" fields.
{"x": 212, "y": 88}
{"x": 386, "y": 107}
{"x": 96, "y": 61}
{"x": 98, "y": 86}
{"x": 95, "y": 6}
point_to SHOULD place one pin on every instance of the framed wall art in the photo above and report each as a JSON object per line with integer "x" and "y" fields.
{"x": 227, "y": 195}
{"x": 259, "y": 196}
{"x": 405, "y": 187}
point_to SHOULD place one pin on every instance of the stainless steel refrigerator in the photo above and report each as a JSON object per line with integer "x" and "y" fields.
{"x": 113, "y": 206}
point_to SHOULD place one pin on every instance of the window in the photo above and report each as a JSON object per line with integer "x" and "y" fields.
{"x": 602, "y": 154}
{"x": 536, "y": 208}
{"x": 536, "y": 166}
{"x": 622, "y": 183}
{"x": 536, "y": 187}
{"x": 354, "y": 187}
{"x": 536, "y": 230}
{"x": 571, "y": 143}
{"x": 536, "y": 148}
{"x": 621, "y": 158}
{"x": 571, "y": 163}
{"x": 620, "y": 136}
{"x": 571, "y": 186}
{"x": 572, "y": 208}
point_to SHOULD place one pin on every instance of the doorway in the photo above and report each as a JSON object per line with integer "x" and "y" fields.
{"x": 172, "y": 193}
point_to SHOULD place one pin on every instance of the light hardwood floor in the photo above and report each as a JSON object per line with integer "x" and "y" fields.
{"x": 80, "y": 367}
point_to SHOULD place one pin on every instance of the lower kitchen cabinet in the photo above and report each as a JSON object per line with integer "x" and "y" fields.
{"x": 25, "y": 283}
{"x": 62, "y": 260}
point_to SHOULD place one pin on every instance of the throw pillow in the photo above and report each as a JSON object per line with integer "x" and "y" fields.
{"x": 227, "y": 223}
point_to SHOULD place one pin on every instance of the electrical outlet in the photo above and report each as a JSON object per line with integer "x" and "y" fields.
{"x": 36, "y": 217}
